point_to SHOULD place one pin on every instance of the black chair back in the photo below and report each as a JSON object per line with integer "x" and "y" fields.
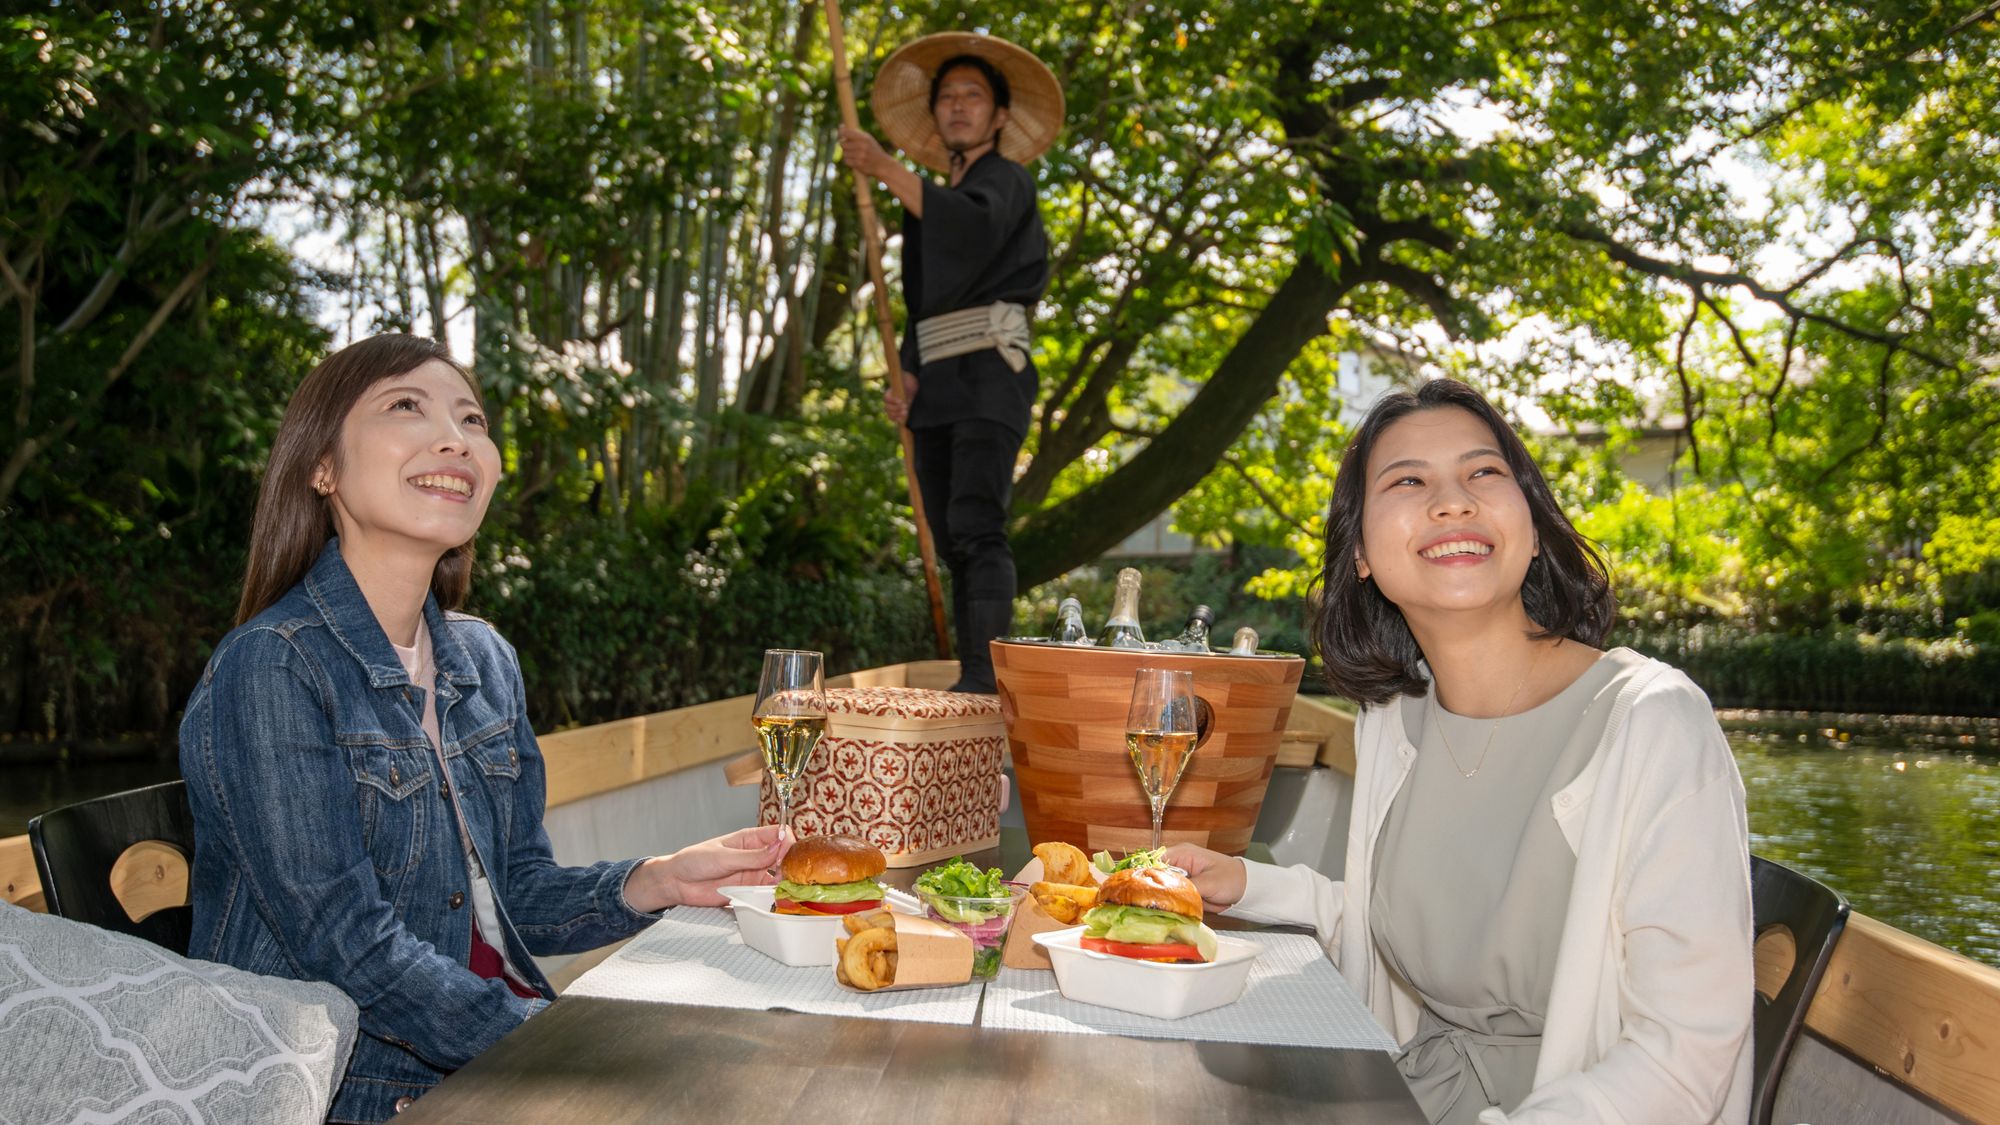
{"x": 79, "y": 847}
{"x": 1813, "y": 914}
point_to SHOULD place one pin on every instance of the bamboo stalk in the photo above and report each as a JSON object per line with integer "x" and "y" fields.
{"x": 871, "y": 240}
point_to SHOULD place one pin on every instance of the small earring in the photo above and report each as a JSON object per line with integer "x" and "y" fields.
{"x": 321, "y": 487}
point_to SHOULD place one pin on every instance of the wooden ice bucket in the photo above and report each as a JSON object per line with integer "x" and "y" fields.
{"x": 1065, "y": 712}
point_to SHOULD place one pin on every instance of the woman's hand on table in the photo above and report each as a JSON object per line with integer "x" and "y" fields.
{"x": 690, "y": 877}
{"x": 1218, "y": 877}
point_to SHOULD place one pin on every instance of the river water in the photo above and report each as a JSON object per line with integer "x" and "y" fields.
{"x": 1900, "y": 814}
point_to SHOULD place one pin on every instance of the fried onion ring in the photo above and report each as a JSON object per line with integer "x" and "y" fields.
{"x": 865, "y": 952}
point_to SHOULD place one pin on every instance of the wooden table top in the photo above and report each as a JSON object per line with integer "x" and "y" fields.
{"x": 593, "y": 1060}
{"x": 588, "y": 1059}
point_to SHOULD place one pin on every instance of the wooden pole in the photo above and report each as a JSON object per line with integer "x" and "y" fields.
{"x": 871, "y": 240}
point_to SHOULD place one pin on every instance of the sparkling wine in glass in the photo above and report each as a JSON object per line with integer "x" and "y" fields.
{"x": 790, "y": 718}
{"x": 1160, "y": 734}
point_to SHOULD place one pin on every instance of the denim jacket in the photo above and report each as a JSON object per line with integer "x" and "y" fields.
{"x": 325, "y": 843}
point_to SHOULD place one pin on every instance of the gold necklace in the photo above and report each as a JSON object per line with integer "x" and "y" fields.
{"x": 1509, "y": 706}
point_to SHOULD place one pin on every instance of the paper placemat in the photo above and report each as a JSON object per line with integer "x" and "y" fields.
{"x": 1294, "y": 998}
{"x": 693, "y": 956}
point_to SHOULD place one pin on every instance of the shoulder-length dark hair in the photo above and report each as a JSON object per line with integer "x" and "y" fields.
{"x": 1361, "y": 636}
{"x": 294, "y": 521}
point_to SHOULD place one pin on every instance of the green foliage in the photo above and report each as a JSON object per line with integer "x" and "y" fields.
{"x": 1767, "y": 227}
{"x": 121, "y": 553}
{"x": 612, "y": 622}
{"x": 1771, "y": 230}
{"x": 148, "y": 343}
{"x": 1838, "y": 668}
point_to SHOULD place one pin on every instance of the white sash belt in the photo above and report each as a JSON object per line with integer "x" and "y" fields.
{"x": 1001, "y": 325}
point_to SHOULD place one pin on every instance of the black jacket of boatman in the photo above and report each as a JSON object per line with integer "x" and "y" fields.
{"x": 978, "y": 243}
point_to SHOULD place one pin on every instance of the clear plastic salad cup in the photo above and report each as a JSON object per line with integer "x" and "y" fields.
{"x": 984, "y": 920}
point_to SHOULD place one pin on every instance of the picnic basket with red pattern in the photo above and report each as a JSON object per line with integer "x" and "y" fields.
{"x": 914, "y": 771}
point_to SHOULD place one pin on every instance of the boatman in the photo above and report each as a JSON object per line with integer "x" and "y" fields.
{"x": 975, "y": 262}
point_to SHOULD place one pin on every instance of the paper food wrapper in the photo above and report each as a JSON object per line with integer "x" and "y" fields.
{"x": 1030, "y": 919}
{"x": 928, "y": 954}
{"x": 1021, "y": 952}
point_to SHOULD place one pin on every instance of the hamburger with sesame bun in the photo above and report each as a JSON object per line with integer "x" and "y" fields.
{"x": 1151, "y": 914}
{"x": 830, "y": 875}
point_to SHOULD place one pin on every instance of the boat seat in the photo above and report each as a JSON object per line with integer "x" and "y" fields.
{"x": 1797, "y": 921}
{"x": 120, "y": 862}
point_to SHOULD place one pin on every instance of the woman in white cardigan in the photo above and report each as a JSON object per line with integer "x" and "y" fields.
{"x": 1547, "y": 895}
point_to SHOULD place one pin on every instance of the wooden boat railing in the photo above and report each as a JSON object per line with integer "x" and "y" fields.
{"x": 1919, "y": 1014}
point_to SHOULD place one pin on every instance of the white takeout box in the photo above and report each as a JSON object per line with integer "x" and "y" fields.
{"x": 796, "y": 939}
{"x": 1149, "y": 988}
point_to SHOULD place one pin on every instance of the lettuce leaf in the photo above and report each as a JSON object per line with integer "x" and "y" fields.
{"x": 959, "y": 879}
{"x": 1143, "y": 925}
{"x": 860, "y": 891}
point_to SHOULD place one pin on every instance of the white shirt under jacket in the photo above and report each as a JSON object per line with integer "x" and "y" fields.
{"x": 1649, "y": 1012}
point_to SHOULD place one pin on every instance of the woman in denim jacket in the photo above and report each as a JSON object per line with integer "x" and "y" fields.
{"x": 366, "y": 788}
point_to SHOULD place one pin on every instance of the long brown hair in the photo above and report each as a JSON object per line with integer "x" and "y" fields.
{"x": 294, "y": 521}
{"x": 1369, "y": 652}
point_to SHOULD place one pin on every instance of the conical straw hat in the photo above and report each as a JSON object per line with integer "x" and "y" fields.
{"x": 902, "y": 96}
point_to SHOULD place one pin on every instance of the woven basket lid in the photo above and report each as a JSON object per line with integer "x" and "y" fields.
{"x": 902, "y": 95}
{"x": 910, "y": 703}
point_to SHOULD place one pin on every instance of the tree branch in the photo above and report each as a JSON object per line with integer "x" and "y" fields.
{"x": 1270, "y": 502}
{"x": 1236, "y": 463}
{"x": 1881, "y": 416}
{"x": 1829, "y": 85}
{"x": 28, "y": 449}
{"x": 1687, "y": 385}
{"x": 1778, "y": 387}
{"x": 1358, "y": 92}
{"x": 1689, "y": 276}
{"x": 1735, "y": 334}
{"x": 152, "y": 223}
{"x": 24, "y": 406}
{"x": 1412, "y": 230}
{"x": 1422, "y": 286}
{"x": 1052, "y": 540}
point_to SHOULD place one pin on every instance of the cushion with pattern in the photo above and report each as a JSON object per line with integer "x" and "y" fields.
{"x": 99, "y": 1026}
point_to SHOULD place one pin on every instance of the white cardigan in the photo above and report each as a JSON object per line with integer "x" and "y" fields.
{"x": 1649, "y": 1012}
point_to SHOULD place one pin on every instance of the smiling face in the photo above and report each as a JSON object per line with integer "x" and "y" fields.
{"x": 1445, "y": 527}
{"x": 416, "y": 467}
{"x": 964, "y": 111}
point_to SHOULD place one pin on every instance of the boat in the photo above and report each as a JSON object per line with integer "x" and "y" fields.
{"x": 1901, "y": 1032}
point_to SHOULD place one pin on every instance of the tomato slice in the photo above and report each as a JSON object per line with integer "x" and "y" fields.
{"x": 1159, "y": 951}
{"x": 828, "y": 907}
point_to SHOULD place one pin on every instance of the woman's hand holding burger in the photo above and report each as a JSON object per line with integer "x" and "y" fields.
{"x": 691, "y": 876}
{"x": 1218, "y": 877}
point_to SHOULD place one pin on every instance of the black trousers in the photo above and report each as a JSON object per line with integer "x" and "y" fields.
{"x": 965, "y": 472}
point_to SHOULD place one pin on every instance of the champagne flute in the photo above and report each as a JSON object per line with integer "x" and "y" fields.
{"x": 1160, "y": 734}
{"x": 790, "y": 717}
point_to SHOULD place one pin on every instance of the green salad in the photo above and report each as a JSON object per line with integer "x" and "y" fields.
{"x": 950, "y": 892}
{"x": 959, "y": 879}
{"x": 1145, "y": 857}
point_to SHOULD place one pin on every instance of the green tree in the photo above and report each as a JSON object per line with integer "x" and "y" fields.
{"x": 1561, "y": 179}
